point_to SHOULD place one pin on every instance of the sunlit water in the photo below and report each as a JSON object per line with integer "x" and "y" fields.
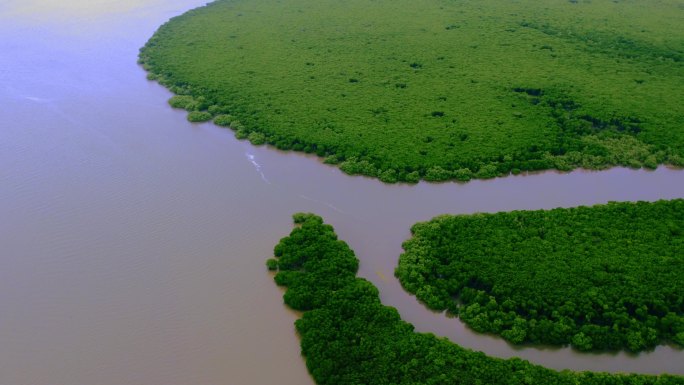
{"x": 133, "y": 242}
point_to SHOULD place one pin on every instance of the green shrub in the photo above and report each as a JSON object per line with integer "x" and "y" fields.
{"x": 241, "y": 133}
{"x": 272, "y": 264}
{"x": 437, "y": 174}
{"x": 256, "y": 138}
{"x": 412, "y": 177}
{"x": 463, "y": 174}
{"x": 218, "y": 110}
{"x": 199, "y": 116}
{"x": 388, "y": 176}
{"x": 182, "y": 101}
{"x": 223, "y": 120}
{"x": 487, "y": 171}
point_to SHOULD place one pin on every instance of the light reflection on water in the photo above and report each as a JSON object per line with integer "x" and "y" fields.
{"x": 76, "y": 10}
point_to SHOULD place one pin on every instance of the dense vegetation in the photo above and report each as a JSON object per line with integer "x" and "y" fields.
{"x": 436, "y": 89}
{"x": 349, "y": 337}
{"x": 605, "y": 277}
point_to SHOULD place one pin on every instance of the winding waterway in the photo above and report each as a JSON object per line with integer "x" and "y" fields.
{"x": 133, "y": 242}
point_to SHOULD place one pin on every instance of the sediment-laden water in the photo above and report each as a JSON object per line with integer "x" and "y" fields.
{"x": 133, "y": 242}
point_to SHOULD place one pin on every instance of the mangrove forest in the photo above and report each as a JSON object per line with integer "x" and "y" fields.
{"x": 436, "y": 90}
{"x": 605, "y": 277}
{"x": 349, "y": 337}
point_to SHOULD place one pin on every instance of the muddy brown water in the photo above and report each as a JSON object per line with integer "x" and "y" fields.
{"x": 133, "y": 242}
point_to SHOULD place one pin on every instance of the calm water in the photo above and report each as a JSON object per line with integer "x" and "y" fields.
{"x": 133, "y": 242}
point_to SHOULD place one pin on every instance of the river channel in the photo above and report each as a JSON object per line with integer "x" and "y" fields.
{"x": 133, "y": 242}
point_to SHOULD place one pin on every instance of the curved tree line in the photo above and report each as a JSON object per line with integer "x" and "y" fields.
{"x": 606, "y": 277}
{"x": 429, "y": 90}
{"x": 349, "y": 337}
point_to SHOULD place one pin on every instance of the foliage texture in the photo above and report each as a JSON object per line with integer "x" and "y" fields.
{"x": 605, "y": 277}
{"x": 437, "y": 89}
{"x": 349, "y": 337}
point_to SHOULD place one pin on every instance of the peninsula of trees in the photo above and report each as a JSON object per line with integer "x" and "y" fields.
{"x": 406, "y": 90}
{"x": 606, "y": 277}
{"x": 349, "y": 337}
